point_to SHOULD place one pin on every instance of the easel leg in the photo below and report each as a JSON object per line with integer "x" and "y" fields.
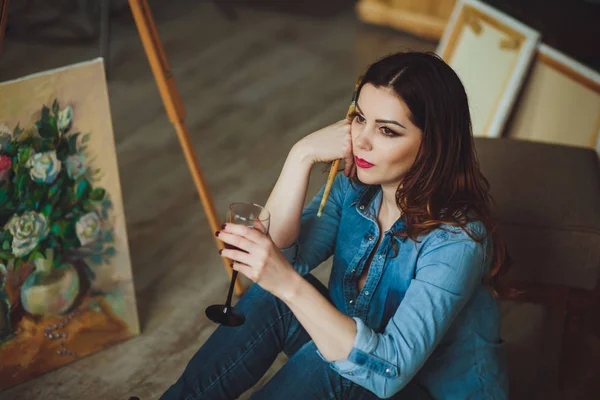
{"x": 175, "y": 111}
{"x": 3, "y": 20}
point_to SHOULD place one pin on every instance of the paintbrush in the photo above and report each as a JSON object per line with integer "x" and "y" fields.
{"x": 336, "y": 164}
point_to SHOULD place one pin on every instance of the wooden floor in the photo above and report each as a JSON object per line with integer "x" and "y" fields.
{"x": 252, "y": 88}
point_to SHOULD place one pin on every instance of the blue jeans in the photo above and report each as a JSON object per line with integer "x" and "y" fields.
{"x": 233, "y": 359}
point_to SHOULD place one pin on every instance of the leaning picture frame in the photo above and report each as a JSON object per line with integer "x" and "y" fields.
{"x": 491, "y": 53}
{"x": 560, "y": 102}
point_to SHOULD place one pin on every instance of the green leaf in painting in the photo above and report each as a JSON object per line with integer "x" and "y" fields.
{"x": 4, "y": 197}
{"x": 52, "y": 122}
{"x": 59, "y": 228}
{"x": 97, "y": 259}
{"x": 85, "y": 138}
{"x": 35, "y": 255}
{"x": 17, "y": 131}
{"x": 46, "y": 145}
{"x": 24, "y": 152}
{"x": 73, "y": 143}
{"x": 52, "y": 243}
{"x": 83, "y": 189}
{"x": 45, "y": 113}
{"x": 62, "y": 152}
{"x": 22, "y": 183}
{"x": 55, "y": 107}
{"x": 54, "y": 189}
{"x": 47, "y": 210}
{"x": 6, "y": 245}
{"x": 108, "y": 236}
{"x": 47, "y": 130}
{"x": 97, "y": 194}
{"x": 70, "y": 231}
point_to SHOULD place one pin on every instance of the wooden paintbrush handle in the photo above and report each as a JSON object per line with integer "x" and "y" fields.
{"x": 330, "y": 178}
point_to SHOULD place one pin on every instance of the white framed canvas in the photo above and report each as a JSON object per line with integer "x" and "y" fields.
{"x": 491, "y": 52}
{"x": 560, "y": 102}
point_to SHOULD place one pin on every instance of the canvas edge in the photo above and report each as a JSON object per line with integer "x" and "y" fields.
{"x": 561, "y": 58}
{"x": 125, "y": 238}
{"x": 54, "y": 70}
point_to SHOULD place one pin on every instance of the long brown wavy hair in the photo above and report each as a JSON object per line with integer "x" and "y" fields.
{"x": 445, "y": 184}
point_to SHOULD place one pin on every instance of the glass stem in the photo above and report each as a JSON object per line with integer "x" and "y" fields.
{"x": 231, "y": 285}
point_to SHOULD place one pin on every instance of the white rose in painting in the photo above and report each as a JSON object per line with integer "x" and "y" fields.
{"x": 75, "y": 166}
{"x": 88, "y": 228}
{"x": 44, "y": 167}
{"x": 65, "y": 117}
{"x": 27, "y": 231}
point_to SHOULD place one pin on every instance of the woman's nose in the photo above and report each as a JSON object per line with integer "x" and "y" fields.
{"x": 363, "y": 140}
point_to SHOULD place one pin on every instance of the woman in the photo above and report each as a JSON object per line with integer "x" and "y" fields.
{"x": 409, "y": 313}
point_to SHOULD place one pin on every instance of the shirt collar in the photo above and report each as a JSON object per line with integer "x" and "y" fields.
{"x": 365, "y": 196}
{"x": 368, "y": 202}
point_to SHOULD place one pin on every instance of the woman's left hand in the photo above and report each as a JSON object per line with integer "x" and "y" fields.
{"x": 260, "y": 261}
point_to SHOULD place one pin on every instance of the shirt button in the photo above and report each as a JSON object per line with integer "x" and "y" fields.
{"x": 353, "y": 271}
{"x": 388, "y": 371}
{"x": 351, "y": 302}
{"x": 362, "y": 207}
{"x": 351, "y": 373}
{"x": 381, "y": 257}
{"x": 367, "y": 293}
{"x": 370, "y": 238}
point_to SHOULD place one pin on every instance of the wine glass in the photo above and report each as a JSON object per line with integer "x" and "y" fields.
{"x": 253, "y": 216}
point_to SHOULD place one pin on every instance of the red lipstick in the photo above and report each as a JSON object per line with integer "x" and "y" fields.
{"x": 362, "y": 163}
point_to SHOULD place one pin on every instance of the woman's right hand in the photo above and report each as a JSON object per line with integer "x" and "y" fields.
{"x": 330, "y": 143}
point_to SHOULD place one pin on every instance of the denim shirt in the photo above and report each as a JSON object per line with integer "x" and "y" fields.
{"x": 423, "y": 315}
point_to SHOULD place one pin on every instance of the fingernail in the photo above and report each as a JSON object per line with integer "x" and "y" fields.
{"x": 217, "y": 233}
{"x": 223, "y": 227}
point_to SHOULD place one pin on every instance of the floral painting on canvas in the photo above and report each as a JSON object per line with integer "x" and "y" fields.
{"x": 66, "y": 288}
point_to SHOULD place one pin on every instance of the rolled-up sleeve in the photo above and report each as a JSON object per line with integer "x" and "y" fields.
{"x": 447, "y": 273}
{"x": 317, "y": 236}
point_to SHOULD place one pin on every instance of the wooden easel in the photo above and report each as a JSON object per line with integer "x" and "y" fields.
{"x": 176, "y": 113}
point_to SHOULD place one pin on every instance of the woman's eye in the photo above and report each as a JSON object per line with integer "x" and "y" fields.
{"x": 388, "y": 132}
{"x": 359, "y": 118}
